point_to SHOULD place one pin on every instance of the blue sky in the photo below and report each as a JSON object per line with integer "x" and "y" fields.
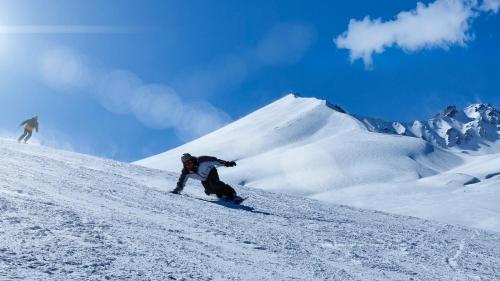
{"x": 129, "y": 79}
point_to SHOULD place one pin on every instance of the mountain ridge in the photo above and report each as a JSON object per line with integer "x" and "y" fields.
{"x": 469, "y": 128}
{"x": 474, "y": 127}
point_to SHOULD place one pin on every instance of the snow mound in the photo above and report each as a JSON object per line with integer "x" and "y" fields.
{"x": 67, "y": 216}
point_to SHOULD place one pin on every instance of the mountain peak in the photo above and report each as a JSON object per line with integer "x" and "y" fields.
{"x": 294, "y": 95}
{"x": 450, "y": 111}
{"x": 333, "y": 106}
{"x": 469, "y": 128}
{"x": 485, "y": 112}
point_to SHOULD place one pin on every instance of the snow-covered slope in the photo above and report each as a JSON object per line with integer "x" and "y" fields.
{"x": 468, "y": 194}
{"x": 66, "y": 216}
{"x": 305, "y": 146}
{"x": 309, "y": 147}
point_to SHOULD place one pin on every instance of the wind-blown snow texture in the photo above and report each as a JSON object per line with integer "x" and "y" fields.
{"x": 66, "y": 216}
{"x": 308, "y": 147}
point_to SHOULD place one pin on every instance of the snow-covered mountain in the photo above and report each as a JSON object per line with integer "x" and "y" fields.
{"x": 310, "y": 147}
{"x": 67, "y": 216}
{"x": 474, "y": 128}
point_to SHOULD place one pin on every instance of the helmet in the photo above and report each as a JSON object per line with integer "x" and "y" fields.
{"x": 35, "y": 117}
{"x": 186, "y": 157}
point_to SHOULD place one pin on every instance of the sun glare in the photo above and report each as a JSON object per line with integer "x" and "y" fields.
{"x": 49, "y": 29}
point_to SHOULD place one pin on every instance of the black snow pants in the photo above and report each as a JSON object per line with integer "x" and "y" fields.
{"x": 213, "y": 185}
{"x": 26, "y": 135}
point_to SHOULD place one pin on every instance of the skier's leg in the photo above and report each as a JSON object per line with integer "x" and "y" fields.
{"x": 227, "y": 192}
{"x": 210, "y": 184}
{"x": 206, "y": 185}
{"x": 28, "y": 136}
{"x": 220, "y": 188}
{"x": 22, "y": 136}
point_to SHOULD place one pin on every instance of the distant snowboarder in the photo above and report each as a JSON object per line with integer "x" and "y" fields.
{"x": 29, "y": 126}
{"x": 204, "y": 169}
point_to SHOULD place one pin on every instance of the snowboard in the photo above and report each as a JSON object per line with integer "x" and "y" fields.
{"x": 236, "y": 200}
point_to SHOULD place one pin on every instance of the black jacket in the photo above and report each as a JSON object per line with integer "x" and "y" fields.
{"x": 202, "y": 167}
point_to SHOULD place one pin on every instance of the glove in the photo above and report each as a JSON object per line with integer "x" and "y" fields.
{"x": 176, "y": 191}
{"x": 230, "y": 164}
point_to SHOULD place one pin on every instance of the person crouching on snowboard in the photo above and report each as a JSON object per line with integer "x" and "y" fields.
{"x": 204, "y": 169}
{"x": 29, "y": 125}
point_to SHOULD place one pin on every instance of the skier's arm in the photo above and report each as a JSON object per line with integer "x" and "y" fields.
{"x": 24, "y": 122}
{"x": 227, "y": 163}
{"x": 181, "y": 182}
{"x": 36, "y": 127}
{"x": 217, "y": 162}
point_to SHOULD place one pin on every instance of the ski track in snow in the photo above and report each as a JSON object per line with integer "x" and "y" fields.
{"x": 66, "y": 216}
{"x": 461, "y": 247}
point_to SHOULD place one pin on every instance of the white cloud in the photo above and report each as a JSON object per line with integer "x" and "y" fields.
{"x": 441, "y": 24}
{"x": 490, "y": 5}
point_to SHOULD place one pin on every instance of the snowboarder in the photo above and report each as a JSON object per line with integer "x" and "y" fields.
{"x": 29, "y": 125}
{"x": 204, "y": 169}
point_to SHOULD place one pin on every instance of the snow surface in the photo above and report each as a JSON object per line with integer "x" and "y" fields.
{"x": 305, "y": 146}
{"x": 67, "y": 216}
{"x": 467, "y": 195}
